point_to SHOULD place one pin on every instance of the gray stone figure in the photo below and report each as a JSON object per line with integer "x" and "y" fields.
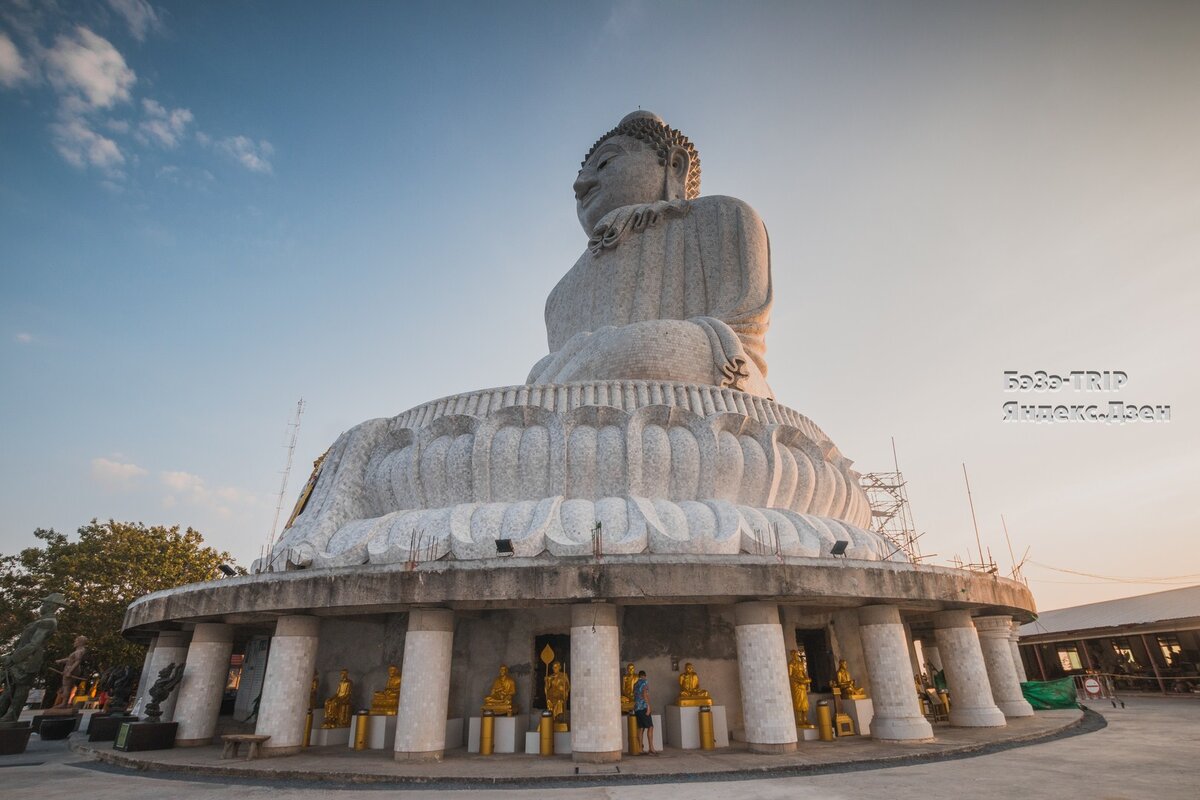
{"x": 168, "y": 678}
{"x": 119, "y": 683}
{"x": 20, "y": 667}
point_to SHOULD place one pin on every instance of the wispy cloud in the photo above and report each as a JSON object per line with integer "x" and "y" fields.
{"x": 82, "y": 147}
{"x": 163, "y": 126}
{"x": 88, "y": 67}
{"x": 192, "y": 489}
{"x": 12, "y": 67}
{"x": 254, "y": 156}
{"x": 115, "y": 474}
{"x": 139, "y": 15}
{"x": 24, "y": 338}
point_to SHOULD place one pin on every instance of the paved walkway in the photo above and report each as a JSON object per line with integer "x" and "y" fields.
{"x": 1148, "y": 749}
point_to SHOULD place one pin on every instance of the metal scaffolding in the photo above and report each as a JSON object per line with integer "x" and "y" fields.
{"x": 891, "y": 514}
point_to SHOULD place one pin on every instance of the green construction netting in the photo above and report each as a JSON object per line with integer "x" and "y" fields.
{"x": 1050, "y": 694}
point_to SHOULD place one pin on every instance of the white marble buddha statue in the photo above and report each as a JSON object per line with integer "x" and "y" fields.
{"x": 672, "y": 286}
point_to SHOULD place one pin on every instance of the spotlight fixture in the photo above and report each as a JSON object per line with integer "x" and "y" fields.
{"x": 839, "y": 548}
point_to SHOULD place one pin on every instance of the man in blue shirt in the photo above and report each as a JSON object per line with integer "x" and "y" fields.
{"x": 641, "y": 710}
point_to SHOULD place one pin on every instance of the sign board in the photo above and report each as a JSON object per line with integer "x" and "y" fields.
{"x": 1092, "y": 687}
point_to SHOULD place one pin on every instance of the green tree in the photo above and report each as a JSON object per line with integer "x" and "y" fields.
{"x": 107, "y": 568}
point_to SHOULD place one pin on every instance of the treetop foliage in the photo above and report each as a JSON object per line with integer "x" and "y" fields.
{"x": 110, "y": 565}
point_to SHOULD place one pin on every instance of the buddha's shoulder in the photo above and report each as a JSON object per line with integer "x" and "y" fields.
{"x": 722, "y": 204}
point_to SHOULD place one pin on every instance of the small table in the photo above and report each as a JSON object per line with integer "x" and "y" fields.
{"x": 233, "y": 740}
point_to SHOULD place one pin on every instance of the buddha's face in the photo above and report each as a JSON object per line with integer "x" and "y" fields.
{"x": 689, "y": 669}
{"x": 503, "y": 670}
{"x": 556, "y": 667}
{"x": 393, "y": 672}
{"x": 621, "y": 172}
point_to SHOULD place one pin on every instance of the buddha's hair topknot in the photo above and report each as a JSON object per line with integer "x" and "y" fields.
{"x": 662, "y": 138}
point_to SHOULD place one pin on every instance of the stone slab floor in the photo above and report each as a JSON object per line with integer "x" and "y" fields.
{"x": 1149, "y": 749}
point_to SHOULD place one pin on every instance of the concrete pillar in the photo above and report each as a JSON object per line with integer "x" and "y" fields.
{"x": 994, "y": 640}
{"x": 144, "y": 681}
{"x": 284, "y": 700}
{"x": 203, "y": 684}
{"x": 763, "y": 673}
{"x": 425, "y": 692}
{"x": 595, "y": 684}
{"x": 932, "y": 654}
{"x": 849, "y": 647}
{"x": 1014, "y": 640}
{"x": 894, "y": 695}
{"x": 971, "y": 703}
{"x": 171, "y": 647}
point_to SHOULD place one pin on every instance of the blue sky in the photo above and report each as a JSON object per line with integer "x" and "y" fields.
{"x": 210, "y": 210}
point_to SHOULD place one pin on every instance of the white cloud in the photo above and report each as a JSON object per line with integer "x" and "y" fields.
{"x": 24, "y": 338}
{"x": 139, "y": 15}
{"x": 193, "y": 489}
{"x": 253, "y": 156}
{"x": 12, "y": 66}
{"x": 116, "y": 474}
{"x": 88, "y": 67}
{"x": 162, "y": 126}
{"x": 83, "y": 147}
{"x": 203, "y": 138}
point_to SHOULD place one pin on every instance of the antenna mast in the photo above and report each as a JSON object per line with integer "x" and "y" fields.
{"x": 293, "y": 432}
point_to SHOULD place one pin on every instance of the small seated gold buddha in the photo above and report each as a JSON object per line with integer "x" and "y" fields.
{"x": 849, "y": 689}
{"x": 504, "y": 690}
{"x": 387, "y": 700}
{"x": 690, "y": 693}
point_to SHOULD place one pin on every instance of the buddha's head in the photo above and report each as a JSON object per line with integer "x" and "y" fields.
{"x": 393, "y": 671}
{"x": 81, "y": 641}
{"x": 629, "y": 669}
{"x": 556, "y": 667}
{"x": 689, "y": 669}
{"x": 503, "y": 670}
{"x": 642, "y": 160}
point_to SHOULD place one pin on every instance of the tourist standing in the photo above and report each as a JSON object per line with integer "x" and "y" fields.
{"x": 641, "y": 709}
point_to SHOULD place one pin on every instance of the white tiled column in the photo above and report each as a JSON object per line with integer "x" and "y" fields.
{"x": 595, "y": 684}
{"x": 971, "y": 703}
{"x": 170, "y": 648}
{"x": 893, "y": 694}
{"x": 144, "y": 681}
{"x": 849, "y": 647}
{"x": 425, "y": 692}
{"x": 1002, "y": 673}
{"x": 1014, "y": 639}
{"x": 932, "y": 654}
{"x": 284, "y": 700}
{"x": 763, "y": 673}
{"x": 203, "y": 684}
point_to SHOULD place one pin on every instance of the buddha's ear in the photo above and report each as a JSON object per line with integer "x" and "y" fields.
{"x": 678, "y": 162}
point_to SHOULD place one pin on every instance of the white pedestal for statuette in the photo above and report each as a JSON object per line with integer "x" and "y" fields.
{"x": 683, "y": 727}
{"x": 658, "y": 732}
{"x": 454, "y": 733}
{"x": 861, "y": 711}
{"x": 381, "y": 731}
{"x": 504, "y": 733}
{"x": 323, "y": 737}
{"x": 562, "y": 743}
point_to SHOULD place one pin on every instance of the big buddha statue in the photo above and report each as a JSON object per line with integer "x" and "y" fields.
{"x": 649, "y": 424}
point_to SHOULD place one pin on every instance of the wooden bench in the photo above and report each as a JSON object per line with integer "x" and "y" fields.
{"x": 233, "y": 740}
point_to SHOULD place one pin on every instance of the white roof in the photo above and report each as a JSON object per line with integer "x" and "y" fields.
{"x": 1144, "y": 609}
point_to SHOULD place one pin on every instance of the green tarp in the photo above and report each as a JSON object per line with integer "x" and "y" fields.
{"x": 1050, "y": 694}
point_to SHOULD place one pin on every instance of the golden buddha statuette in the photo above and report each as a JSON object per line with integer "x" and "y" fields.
{"x": 504, "y": 690}
{"x": 387, "y": 700}
{"x": 849, "y": 689}
{"x": 627, "y": 682}
{"x": 558, "y": 689}
{"x": 800, "y": 684}
{"x": 337, "y": 707}
{"x": 314, "y": 697}
{"x": 690, "y": 693}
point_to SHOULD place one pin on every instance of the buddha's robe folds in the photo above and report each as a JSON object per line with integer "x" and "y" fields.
{"x": 676, "y": 291}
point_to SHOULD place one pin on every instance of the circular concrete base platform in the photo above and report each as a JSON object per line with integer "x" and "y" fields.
{"x": 339, "y": 765}
{"x": 624, "y": 580}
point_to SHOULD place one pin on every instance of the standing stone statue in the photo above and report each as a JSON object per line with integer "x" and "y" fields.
{"x": 120, "y": 685}
{"x": 558, "y": 689}
{"x": 800, "y": 683}
{"x": 22, "y": 665}
{"x": 72, "y": 665}
{"x": 168, "y": 678}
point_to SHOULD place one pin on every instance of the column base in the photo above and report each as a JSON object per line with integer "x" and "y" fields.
{"x": 423, "y": 756}
{"x": 285, "y": 750}
{"x": 902, "y": 729}
{"x": 1018, "y": 708}
{"x": 771, "y": 748}
{"x": 201, "y": 742}
{"x": 602, "y": 757}
{"x": 976, "y": 717}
